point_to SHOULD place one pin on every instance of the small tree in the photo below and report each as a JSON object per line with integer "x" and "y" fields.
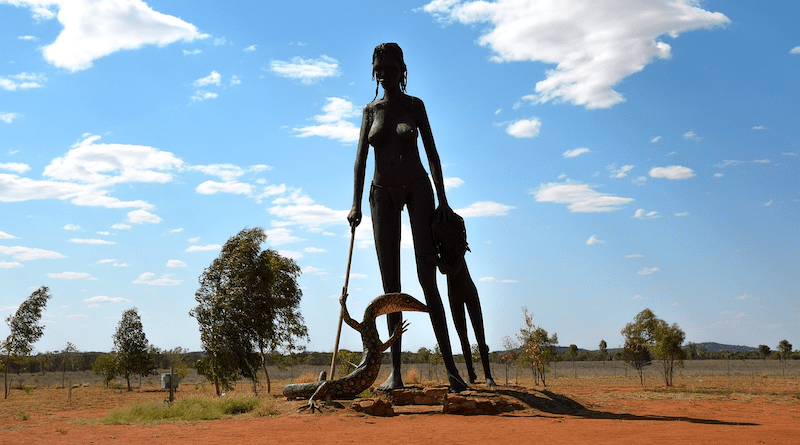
{"x": 106, "y": 366}
{"x": 538, "y": 346}
{"x": 133, "y": 353}
{"x": 510, "y": 355}
{"x": 764, "y": 351}
{"x": 25, "y": 328}
{"x": 572, "y": 353}
{"x": 602, "y": 352}
{"x": 667, "y": 349}
{"x": 785, "y": 350}
{"x": 67, "y": 362}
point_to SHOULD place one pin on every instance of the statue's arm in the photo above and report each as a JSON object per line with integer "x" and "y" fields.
{"x": 434, "y": 163}
{"x": 354, "y": 218}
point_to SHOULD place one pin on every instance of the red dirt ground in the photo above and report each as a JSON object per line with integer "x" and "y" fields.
{"x": 586, "y": 412}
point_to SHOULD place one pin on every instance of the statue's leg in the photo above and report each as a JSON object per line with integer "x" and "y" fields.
{"x": 386, "y": 229}
{"x": 420, "y": 210}
{"x": 460, "y": 322}
{"x": 473, "y": 304}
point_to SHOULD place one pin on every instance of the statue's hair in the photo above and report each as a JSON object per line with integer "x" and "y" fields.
{"x": 390, "y": 50}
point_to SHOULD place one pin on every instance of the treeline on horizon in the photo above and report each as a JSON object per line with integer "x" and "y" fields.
{"x": 61, "y": 361}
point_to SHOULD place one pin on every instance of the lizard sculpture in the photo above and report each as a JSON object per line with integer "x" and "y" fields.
{"x": 367, "y": 371}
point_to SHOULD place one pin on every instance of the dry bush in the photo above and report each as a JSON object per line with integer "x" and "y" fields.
{"x": 412, "y": 376}
{"x": 306, "y": 377}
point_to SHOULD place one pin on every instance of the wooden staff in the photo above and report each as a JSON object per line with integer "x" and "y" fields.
{"x": 341, "y": 310}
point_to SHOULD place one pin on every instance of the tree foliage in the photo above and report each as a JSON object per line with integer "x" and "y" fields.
{"x": 539, "y": 347}
{"x": 106, "y": 366}
{"x": 134, "y": 355}
{"x": 248, "y": 308}
{"x": 785, "y": 350}
{"x": 764, "y": 351}
{"x": 649, "y": 337}
{"x": 25, "y": 328}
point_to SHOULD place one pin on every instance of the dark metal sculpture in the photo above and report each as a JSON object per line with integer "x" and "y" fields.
{"x": 451, "y": 244}
{"x": 365, "y": 374}
{"x": 392, "y": 125}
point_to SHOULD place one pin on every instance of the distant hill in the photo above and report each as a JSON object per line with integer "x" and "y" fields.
{"x": 716, "y": 347}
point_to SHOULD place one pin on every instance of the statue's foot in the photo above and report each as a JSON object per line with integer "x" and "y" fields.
{"x": 456, "y": 384}
{"x": 471, "y": 378}
{"x": 490, "y": 382}
{"x": 391, "y": 383}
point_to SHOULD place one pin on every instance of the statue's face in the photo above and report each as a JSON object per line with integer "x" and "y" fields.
{"x": 387, "y": 70}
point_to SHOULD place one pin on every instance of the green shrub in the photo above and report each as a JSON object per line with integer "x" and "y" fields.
{"x": 191, "y": 409}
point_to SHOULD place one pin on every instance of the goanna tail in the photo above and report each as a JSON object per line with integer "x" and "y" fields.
{"x": 301, "y": 390}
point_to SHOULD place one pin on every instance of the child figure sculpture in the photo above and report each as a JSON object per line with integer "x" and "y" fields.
{"x": 450, "y": 238}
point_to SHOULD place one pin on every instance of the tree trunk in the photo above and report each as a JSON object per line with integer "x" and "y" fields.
{"x": 266, "y": 374}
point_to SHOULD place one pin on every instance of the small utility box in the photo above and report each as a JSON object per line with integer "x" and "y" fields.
{"x": 167, "y": 379}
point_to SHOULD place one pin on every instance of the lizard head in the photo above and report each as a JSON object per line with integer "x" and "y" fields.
{"x": 396, "y": 302}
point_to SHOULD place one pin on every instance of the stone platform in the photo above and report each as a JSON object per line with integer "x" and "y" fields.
{"x": 470, "y": 402}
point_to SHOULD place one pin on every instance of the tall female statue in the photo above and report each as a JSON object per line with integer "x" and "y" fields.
{"x": 391, "y": 125}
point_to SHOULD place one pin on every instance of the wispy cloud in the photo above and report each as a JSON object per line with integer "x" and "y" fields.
{"x": 594, "y": 240}
{"x": 15, "y": 167}
{"x": 598, "y": 48}
{"x": 795, "y": 50}
{"x": 22, "y": 81}
{"x": 307, "y": 71}
{"x": 576, "y": 152}
{"x": 94, "y": 241}
{"x": 620, "y": 172}
{"x": 579, "y": 197}
{"x": 212, "y": 79}
{"x": 71, "y": 276}
{"x": 206, "y": 248}
{"x": 648, "y": 271}
{"x": 7, "y": 117}
{"x": 655, "y": 139}
{"x": 672, "y": 172}
{"x": 176, "y": 263}
{"x": 691, "y": 136}
{"x": 106, "y": 299}
{"x": 642, "y": 214}
{"x": 150, "y": 279}
{"x": 333, "y": 124}
{"x": 21, "y": 253}
{"x": 484, "y": 208}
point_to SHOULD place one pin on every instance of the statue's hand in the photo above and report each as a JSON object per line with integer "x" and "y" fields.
{"x": 444, "y": 213}
{"x": 354, "y": 218}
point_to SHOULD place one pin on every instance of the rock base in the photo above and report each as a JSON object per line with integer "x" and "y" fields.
{"x": 472, "y": 402}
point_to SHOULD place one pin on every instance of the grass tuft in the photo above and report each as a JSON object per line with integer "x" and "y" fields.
{"x": 191, "y": 409}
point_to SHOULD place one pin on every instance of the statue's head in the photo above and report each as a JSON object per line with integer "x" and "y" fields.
{"x": 390, "y": 53}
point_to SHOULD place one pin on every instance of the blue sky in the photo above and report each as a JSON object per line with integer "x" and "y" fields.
{"x": 607, "y": 157}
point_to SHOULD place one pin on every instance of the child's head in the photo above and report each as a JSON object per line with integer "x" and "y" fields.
{"x": 450, "y": 236}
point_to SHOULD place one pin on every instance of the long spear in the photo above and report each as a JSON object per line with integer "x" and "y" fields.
{"x": 341, "y": 310}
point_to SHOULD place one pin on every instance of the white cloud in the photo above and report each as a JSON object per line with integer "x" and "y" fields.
{"x": 655, "y": 140}
{"x": 233, "y": 187}
{"x": 718, "y": 175}
{"x": 149, "y": 279}
{"x": 250, "y": 48}
{"x": 121, "y": 226}
{"x": 743, "y": 297}
{"x": 4, "y": 235}
{"x": 619, "y": 172}
{"x": 451, "y": 183}
{"x": 593, "y": 240}
{"x": 94, "y": 29}
{"x": 641, "y": 214}
{"x": 28, "y": 38}
{"x": 576, "y": 152}
{"x": 648, "y": 271}
{"x": 691, "y": 136}
{"x": 142, "y": 217}
{"x": 8, "y": 117}
{"x": 768, "y": 203}
{"x": 72, "y": 227}
{"x": 105, "y": 299}
{"x": 635, "y": 255}
{"x": 21, "y": 253}
{"x": 193, "y": 52}
{"x": 176, "y": 263}
{"x": 15, "y": 167}
{"x": 484, "y": 208}
{"x": 636, "y": 297}
{"x": 206, "y": 248}
{"x": 795, "y": 50}
{"x": 178, "y": 230}
{"x": 580, "y": 197}
{"x": 307, "y": 71}
{"x": 22, "y": 81}
{"x": 525, "y": 128}
{"x": 672, "y": 172}
{"x": 594, "y": 48}
{"x": 212, "y": 79}
{"x": 70, "y": 275}
{"x": 280, "y": 235}
{"x": 201, "y": 95}
{"x": 314, "y": 250}
{"x": 333, "y": 124}
{"x": 94, "y": 241}
{"x": 760, "y": 127}
{"x": 107, "y": 164}
{"x": 298, "y": 209}
{"x": 682, "y": 214}
{"x": 9, "y": 264}
{"x": 641, "y": 180}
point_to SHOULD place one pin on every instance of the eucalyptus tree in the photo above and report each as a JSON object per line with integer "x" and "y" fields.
{"x": 134, "y": 354}
{"x": 649, "y": 337}
{"x": 25, "y": 328}
{"x": 248, "y": 308}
